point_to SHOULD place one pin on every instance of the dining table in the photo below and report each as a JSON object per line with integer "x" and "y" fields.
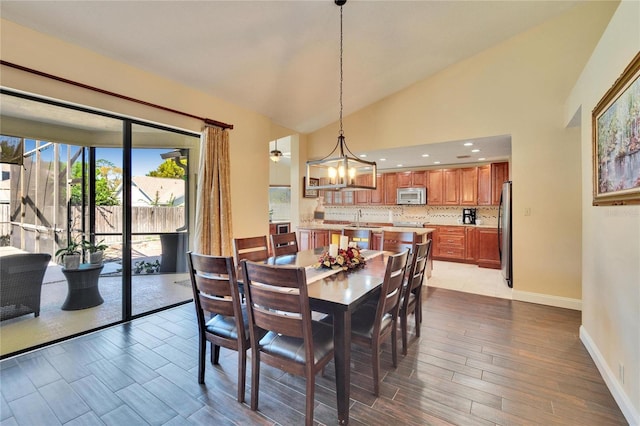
{"x": 339, "y": 293}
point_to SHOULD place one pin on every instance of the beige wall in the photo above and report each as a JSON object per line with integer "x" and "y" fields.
{"x": 516, "y": 88}
{"x": 610, "y": 235}
{"x": 249, "y": 138}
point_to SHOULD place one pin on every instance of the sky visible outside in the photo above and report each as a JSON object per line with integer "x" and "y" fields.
{"x": 143, "y": 160}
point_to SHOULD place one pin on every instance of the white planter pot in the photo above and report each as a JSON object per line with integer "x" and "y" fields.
{"x": 96, "y": 257}
{"x": 71, "y": 261}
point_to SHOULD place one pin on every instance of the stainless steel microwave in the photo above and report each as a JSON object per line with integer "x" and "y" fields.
{"x": 412, "y": 196}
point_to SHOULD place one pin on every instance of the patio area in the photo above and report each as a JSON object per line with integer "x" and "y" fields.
{"x": 149, "y": 292}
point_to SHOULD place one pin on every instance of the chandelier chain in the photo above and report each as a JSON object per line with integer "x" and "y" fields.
{"x": 341, "y": 72}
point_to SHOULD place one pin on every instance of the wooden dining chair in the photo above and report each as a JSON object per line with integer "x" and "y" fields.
{"x": 279, "y": 306}
{"x": 396, "y": 241}
{"x": 412, "y": 292}
{"x": 284, "y": 244}
{"x": 372, "y": 323}
{"x": 251, "y": 248}
{"x": 362, "y": 237}
{"x": 222, "y": 319}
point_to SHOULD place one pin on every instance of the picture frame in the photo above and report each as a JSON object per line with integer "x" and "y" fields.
{"x": 307, "y": 191}
{"x": 616, "y": 141}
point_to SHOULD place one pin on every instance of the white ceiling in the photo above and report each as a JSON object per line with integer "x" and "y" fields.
{"x": 281, "y": 58}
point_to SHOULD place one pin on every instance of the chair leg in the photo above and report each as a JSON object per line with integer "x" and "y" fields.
{"x": 215, "y": 354}
{"x": 255, "y": 378}
{"x": 418, "y": 319}
{"x": 403, "y": 330}
{"x": 394, "y": 343}
{"x": 202, "y": 349}
{"x": 242, "y": 373}
{"x": 375, "y": 363}
{"x": 311, "y": 387}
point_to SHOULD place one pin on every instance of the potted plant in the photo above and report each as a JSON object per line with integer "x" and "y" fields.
{"x": 96, "y": 251}
{"x": 70, "y": 255}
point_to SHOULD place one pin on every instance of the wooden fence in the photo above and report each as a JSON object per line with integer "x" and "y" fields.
{"x": 143, "y": 219}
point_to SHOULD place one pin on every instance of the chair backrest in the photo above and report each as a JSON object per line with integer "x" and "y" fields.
{"x": 392, "y": 286}
{"x": 362, "y": 237}
{"x": 396, "y": 242}
{"x": 252, "y": 248}
{"x": 215, "y": 288}
{"x": 278, "y": 301}
{"x": 284, "y": 244}
{"x": 23, "y": 268}
{"x": 417, "y": 268}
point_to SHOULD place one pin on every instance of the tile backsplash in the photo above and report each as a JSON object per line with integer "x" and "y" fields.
{"x": 437, "y": 215}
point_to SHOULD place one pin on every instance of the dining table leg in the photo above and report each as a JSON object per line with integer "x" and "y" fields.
{"x": 342, "y": 358}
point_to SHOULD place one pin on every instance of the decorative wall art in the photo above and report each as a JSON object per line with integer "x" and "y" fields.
{"x": 307, "y": 190}
{"x": 616, "y": 141}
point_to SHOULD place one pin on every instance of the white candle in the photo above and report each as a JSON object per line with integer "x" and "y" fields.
{"x": 333, "y": 250}
{"x": 344, "y": 242}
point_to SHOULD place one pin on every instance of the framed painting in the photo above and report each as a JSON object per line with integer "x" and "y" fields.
{"x": 616, "y": 141}
{"x": 308, "y": 191}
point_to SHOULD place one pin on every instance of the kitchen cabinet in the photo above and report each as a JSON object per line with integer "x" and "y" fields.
{"x": 376, "y": 196}
{"x": 470, "y": 244}
{"x": 363, "y": 196}
{"x": 434, "y": 187}
{"x": 499, "y": 174}
{"x": 488, "y": 248}
{"x": 312, "y": 238}
{"x": 412, "y": 179}
{"x": 450, "y": 243}
{"x": 376, "y": 243}
{"x": 484, "y": 185}
{"x": 469, "y": 186}
{"x": 451, "y": 187}
{"x": 390, "y": 189}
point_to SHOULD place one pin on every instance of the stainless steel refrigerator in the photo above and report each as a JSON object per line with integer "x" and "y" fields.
{"x": 504, "y": 233}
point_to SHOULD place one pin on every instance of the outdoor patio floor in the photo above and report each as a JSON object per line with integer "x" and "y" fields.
{"x": 150, "y": 292}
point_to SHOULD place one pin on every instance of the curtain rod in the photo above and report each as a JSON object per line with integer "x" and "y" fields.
{"x": 117, "y": 95}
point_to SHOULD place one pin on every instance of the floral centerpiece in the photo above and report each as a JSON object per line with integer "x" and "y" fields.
{"x": 347, "y": 260}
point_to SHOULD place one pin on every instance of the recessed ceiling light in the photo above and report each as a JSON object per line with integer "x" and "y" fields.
{"x": 399, "y": 165}
{"x": 383, "y": 159}
{"x": 436, "y": 162}
{"x": 475, "y": 150}
{"x": 481, "y": 159}
{"x": 468, "y": 144}
{"x": 425, "y": 155}
{"x": 363, "y": 155}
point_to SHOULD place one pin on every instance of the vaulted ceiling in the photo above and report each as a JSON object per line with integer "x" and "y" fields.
{"x": 281, "y": 58}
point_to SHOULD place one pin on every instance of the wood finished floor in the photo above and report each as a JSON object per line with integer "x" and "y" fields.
{"x": 480, "y": 361}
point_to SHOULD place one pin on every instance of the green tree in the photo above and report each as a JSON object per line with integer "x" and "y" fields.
{"x": 108, "y": 178}
{"x": 168, "y": 169}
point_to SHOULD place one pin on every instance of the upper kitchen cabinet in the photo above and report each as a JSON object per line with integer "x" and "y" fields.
{"x": 364, "y": 196}
{"x": 412, "y": 179}
{"x": 390, "y": 189}
{"x": 490, "y": 179}
{"x": 484, "y": 185}
{"x": 451, "y": 187}
{"x": 376, "y": 196}
{"x": 469, "y": 186}
{"x": 434, "y": 187}
{"x": 499, "y": 174}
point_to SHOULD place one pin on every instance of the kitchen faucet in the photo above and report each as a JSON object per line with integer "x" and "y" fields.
{"x": 358, "y": 216}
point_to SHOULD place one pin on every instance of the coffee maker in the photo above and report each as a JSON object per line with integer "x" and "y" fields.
{"x": 469, "y": 216}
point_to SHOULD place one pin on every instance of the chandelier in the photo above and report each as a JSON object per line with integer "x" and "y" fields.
{"x": 341, "y": 169}
{"x": 275, "y": 154}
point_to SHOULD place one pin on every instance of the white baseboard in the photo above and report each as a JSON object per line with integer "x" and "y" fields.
{"x": 628, "y": 410}
{"x": 546, "y": 299}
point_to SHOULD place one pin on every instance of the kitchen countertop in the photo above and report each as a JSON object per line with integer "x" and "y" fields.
{"x": 380, "y": 228}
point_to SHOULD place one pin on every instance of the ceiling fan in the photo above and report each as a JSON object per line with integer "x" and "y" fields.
{"x": 275, "y": 154}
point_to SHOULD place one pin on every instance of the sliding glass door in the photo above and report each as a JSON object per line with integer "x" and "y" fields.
{"x": 86, "y": 176}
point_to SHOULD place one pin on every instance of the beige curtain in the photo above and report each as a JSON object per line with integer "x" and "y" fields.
{"x": 213, "y": 195}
